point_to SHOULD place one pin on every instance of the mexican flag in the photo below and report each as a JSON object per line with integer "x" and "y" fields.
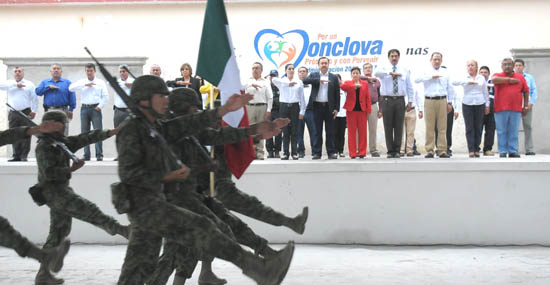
{"x": 218, "y": 65}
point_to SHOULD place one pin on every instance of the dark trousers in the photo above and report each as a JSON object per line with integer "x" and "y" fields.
{"x": 322, "y": 114}
{"x": 340, "y": 124}
{"x": 393, "y": 115}
{"x": 89, "y": 115}
{"x": 292, "y": 112}
{"x": 22, "y": 147}
{"x": 310, "y": 122}
{"x": 473, "y": 120}
{"x": 490, "y": 127}
{"x": 449, "y": 135}
{"x": 273, "y": 144}
{"x": 120, "y": 115}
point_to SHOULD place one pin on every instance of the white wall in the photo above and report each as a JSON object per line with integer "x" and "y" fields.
{"x": 169, "y": 34}
{"x": 489, "y": 201}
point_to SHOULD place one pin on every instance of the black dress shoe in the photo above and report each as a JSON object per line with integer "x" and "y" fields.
{"x": 332, "y": 156}
{"x": 375, "y": 154}
{"x": 352, "y": 157}
{"x": 14, "y": 159}
{"x": 86, "y": 158}
{"x": 429, "y": 155}
{"x": 401, "y": 154}
{"x": 389, "y": 155}
{"x": 99, "y": 158}
{"x": 294, "y": 157}
{"x": 410, "y": 154}
{"x": 444, "y": 155}
{"x": 276, "y": 155}
{"x": 24, "y": 159}
{"x": 361, "y": 156}
{"x": 503, "y": 155}
{"x": 396, "y": 155}
{"x": 316, "y": 156}
{"x": 530, "y": 153}
{"x": 341, "y": 154}
{"x": 514, "y": 155}
{"x": 284, "y": 157}
{"x": 301, "y": 155}
{"x": 270, "y": 155}
{"x": 416, "y": 152}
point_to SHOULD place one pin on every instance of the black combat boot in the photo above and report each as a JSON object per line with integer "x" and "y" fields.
{"x": 267, "y": 271}
{"x": 298, "y": 223}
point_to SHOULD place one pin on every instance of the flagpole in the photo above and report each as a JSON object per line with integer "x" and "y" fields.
{"x": 212, "y": 147}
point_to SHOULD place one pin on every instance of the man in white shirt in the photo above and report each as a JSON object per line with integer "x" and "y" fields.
{"x": 396, "y": 84}
{"x": 125, "y": 82}
{"x": 259, "y": 108}
{"x": 439, "y": 99}
{"x": 22, "y": 97}
{"x": 325, "y": 101}
{"x": 93, "y": 96}
{"x": 308, "y": 117}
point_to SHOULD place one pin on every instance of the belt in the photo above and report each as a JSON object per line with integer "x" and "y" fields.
{"x": 23, "y": 110}
{"x": 58, "y": 107}
{"x": 290, "y": 103}
{"x": 256, "y": 104}
{"x": 393, "y": 97}
{"x": 321, "y": 103}
{"x": 436, "y": 97}
{"x": 90, "y": 105}
{"x": 121, "y": 109}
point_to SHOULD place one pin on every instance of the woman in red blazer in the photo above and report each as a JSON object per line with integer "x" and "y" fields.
{"x": 358, "y": 107}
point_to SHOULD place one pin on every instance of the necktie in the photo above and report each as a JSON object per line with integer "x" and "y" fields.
{"x": 395, "y": 86}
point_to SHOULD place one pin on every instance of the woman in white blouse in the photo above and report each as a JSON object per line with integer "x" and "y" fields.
{"x": 475, "y": 104}
{"x": 292, "y": 106}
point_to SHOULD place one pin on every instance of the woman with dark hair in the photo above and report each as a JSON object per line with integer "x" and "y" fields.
{"x": 358, "y": 106}
{"x": 475, "y": 104}
{"x": 187, "y": 81}
{"x": 292, "y": 105}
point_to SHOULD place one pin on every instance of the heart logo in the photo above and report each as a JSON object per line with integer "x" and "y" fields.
{"x": 280, "y": 49}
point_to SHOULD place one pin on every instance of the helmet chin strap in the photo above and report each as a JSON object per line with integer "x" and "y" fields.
{"x": 153, "y": 112}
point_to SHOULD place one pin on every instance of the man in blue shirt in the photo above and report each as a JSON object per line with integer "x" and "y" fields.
{"x": 56, "y": 93}
{"x": 519, "y": 66}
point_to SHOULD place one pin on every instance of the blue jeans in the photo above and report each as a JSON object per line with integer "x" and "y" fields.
{"x": 507, "y": 131}
{"x": 310, "y": 122}
{"x": 89, "y": 115}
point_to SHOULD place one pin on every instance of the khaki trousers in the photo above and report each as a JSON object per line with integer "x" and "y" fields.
{"x": 256, "y": 114}
{"x": 372, "y": 124}
{"x": 409, "y": 125}
{"x": 435, "y": 114}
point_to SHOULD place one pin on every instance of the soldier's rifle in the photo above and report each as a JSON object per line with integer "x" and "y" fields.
{"x": 46, "y": 137}
{"x": 135, "y": 111}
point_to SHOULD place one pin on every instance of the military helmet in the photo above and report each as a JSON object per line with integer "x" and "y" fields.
{"x": 181, "y": 99}
{"x": 145, "y": 86}
{"x": 55, "y": 115}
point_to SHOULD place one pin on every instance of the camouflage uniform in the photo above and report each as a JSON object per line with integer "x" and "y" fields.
{"x": 142, "y": 167}
{"x": 240, "y": 202}
{"x": 187, "y": 196}
{"x": 53, "y": 189}
{"x": 9, "y": 237}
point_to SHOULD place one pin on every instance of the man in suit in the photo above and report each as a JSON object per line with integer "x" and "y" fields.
{"x": 325, "y": 102}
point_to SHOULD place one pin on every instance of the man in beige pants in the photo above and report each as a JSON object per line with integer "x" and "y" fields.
{"x": 439, "y": 95}
{"x": 409, "y": 124}
{"x": 376, "y": 112}
{"x": 259, "y": 109}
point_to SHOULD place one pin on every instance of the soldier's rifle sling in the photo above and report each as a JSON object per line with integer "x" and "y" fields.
{"x": 134, "y": 109}
{"x": 46, "y": 137}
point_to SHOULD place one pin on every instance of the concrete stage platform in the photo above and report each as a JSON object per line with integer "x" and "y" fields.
{"x": 407, "y": 201}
